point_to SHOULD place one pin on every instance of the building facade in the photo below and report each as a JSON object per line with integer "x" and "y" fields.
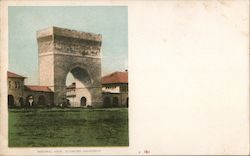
{"x": 115, "y": 90}
{"x": 40, "y": 95}
{"x": 21, "y": 95}
{"x": 15, "y": 89}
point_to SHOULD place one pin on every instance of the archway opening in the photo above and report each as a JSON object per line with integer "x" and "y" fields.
{"x": 107, "y": 102}
{"x": 70, "y": 89}
{"x": 29, "y": 101}
{"x": 127, "y": 102}
{"x": 83, "y": 101}
{"x": 78, "y": 84}
{"x": 70, "y": 79}
{"x": 115, "y": 102}
{"x": 41, "y": 100}
{"x": 10, "y": 100}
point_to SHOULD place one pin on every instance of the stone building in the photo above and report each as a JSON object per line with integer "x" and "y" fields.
{"x": 41, "y": 95}
{"x": 71, "y": 95}
{"x": 115, "y": 89}
{"x": 114, "y": 92}
{"x": 20, "y": 95}
{"x": 15, "y": 89}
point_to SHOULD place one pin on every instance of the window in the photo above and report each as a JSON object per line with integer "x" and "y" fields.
{"x": 18, "y": 84}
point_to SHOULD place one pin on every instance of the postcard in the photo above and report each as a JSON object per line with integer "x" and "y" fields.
{"x": 124, "y": 77}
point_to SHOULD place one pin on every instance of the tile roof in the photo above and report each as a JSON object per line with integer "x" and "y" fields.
{"x": 14, "y": 75}
{"x": 38, "y": 88}
{"x": 116, "y": 77}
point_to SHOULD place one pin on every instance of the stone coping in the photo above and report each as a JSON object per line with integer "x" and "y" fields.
{"x": 68, "y": 33}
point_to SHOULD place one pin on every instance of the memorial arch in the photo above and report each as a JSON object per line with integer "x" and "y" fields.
{"x": 62, "y": 51}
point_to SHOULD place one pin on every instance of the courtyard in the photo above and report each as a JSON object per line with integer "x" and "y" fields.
{"x": 68, "y": 127}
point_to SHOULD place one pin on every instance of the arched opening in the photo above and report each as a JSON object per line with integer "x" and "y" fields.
{"x": 106, "y": 102}
{"x": 78, "y": 84}
{"x": 127, "y": 102}
{"x": 70, "y": 79}
{"x": 83, "y": 101}
{"x": 115, "y": 102}
{"x": 21, "y": 102}
{"x": 41, "y": 100}
{"x": 29, "y": 101}
{"x": 10, "y": 100}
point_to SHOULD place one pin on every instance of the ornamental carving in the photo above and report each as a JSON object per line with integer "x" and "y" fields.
{"x": 77, "y": 46}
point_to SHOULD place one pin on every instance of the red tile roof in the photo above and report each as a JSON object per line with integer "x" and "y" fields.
{"x": 14, "y": 75}
{"x": 116, "y": 77}
{"x": 38, "y": 88}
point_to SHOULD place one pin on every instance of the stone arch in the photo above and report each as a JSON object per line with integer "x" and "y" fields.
{"x": 82, "y": 66}
{"x": 69, "y": 51}
{"x": 83, "y": 83}
{"x": 107, "y": 102}
{"x": 41, "y": 100}
{"x": 11, "y": 101}
{"x": 29, "y": 100}
{"x": 115, "y": 102}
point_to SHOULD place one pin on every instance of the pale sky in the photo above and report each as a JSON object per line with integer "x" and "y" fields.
{"x": 24, "y": 21}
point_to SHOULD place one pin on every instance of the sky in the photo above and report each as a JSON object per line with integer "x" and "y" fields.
{"x": 24, "y": 21}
